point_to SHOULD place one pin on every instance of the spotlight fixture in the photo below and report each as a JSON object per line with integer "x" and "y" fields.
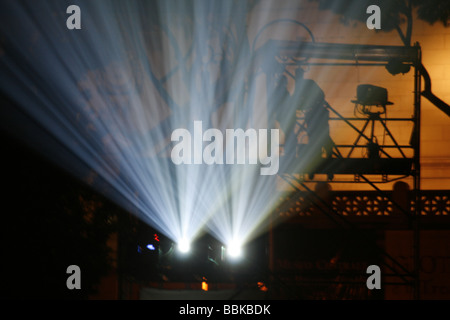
{"x": 396, "y": 66}
{"x": 184, "y": 246}
{"x": 234, "y": 250}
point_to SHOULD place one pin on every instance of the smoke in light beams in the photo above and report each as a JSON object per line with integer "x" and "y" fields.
{"x": 103, "y": 101}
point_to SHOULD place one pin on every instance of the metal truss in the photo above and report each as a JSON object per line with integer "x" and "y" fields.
{"x": 390, "y": 161}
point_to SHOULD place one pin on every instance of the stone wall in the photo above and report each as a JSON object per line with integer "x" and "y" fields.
{"x": 340, "y": 83}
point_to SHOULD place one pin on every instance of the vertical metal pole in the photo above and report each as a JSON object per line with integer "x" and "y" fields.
{"x": 417, "y": 174}
{"x": 270, "y": 122}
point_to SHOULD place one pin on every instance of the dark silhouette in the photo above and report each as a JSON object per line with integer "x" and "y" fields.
{"x": 308, "y": 98}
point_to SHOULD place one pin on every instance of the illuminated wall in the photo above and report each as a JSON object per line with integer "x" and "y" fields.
{"x": 340, "y": 83}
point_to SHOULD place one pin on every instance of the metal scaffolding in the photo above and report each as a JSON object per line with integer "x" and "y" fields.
{"x": 383, "y": 162}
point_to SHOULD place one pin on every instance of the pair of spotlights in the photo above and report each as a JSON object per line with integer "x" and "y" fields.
{"x": 233, "y": 250}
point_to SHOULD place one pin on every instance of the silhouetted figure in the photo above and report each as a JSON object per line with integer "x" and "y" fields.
{"x": 280, "y": 103}
{"x": 284, "y": 113}
{"x": 310, "y": 99}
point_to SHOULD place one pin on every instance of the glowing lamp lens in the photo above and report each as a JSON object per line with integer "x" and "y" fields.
{"x": 184, "y": 246}
{"x": 234, "y": 250}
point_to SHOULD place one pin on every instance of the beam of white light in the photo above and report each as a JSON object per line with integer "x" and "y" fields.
{"x": 109, "y": 95}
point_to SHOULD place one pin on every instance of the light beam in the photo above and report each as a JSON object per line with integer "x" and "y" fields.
{"x": 103, "y": 101}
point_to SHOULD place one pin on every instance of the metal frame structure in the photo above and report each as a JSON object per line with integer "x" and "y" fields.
{"x": 365, "y": 170}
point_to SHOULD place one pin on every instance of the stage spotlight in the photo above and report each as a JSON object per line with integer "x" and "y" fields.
{"x": 184, "y": 246}
{"x": 234, "y": 250}
{"x": 396, "y": 66}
